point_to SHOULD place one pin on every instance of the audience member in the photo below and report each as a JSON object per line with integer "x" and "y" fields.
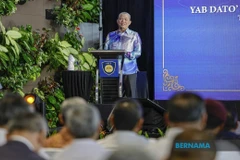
{"x": 83, "y": 122}
{"x": 63, "y": 138}
{"x": 26, "y": 134}
{"x": 185, "y": 111}
{"x": 217, "y": 116}
{"x": 127, "y": 120}
{"x": 193, "y": 136}
{"x": 230, "y": 127}
{"x": 10, "y": 106}
{"x": 131, "y": 153}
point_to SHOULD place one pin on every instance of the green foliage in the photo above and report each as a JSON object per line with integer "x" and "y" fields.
{"x": 87, "y": 61}
{"x": 23, "y": 54}
{"x": 58, "y": 52}
{"x": 52, "y": 94}
{"x": 76, "y": 40}
{"x": 18, "y": 62}
{"x": 73, "y": 12}
{"x": 8, "y": 7}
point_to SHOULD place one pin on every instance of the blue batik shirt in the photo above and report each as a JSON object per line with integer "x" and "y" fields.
{"x": 128, "y": 41}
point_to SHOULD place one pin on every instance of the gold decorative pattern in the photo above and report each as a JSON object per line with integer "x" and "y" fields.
{"x": 170, "y": 83}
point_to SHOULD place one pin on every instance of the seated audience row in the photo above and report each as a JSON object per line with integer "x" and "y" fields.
{"x": 188, "y": 116}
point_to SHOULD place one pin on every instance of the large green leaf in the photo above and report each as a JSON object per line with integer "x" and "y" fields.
{"x": 27, "y": 58}
{"x": 14, "y": 51}
{"x": 64, "y": 44}
{"x": 2, "y": 27}
{"x": 73, "y": 51}
{"x": 4, "y": 56}
{"x": 14, "y": 43}
{"x": 66, "y": 52}
{"x": 86, "y": 15}
{"x": 87, "y": 7}
{"x": 7, "y": 40}
{"x": 81, "y": 58}
{"x": 86, "y": 66}
{"x": 27, "y": 46}
{"x": 14, "y": 34}
{"x": 3, "y": 63}
{"x": 52, "y": 99}
{"x": 89, "y": 58}
{"x": 3, "y": 49}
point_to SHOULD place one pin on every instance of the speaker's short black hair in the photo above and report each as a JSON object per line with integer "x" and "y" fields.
{"x": 185, "y": 107}
{"x": 127, "y": 112}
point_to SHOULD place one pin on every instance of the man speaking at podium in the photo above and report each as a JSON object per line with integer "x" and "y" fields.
{"x": 127, "y": 40}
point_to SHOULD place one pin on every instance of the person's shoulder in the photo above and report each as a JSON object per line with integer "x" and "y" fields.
{"x": 112, "y": 33}
{"x": 132, "y": 31}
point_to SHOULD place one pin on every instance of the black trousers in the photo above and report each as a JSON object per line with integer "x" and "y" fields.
{"x": 130, "y": 85}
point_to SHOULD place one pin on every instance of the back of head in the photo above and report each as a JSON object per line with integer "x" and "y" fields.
{"x": 83, "y": 121}
{"x": 217, "y": 114}
{"x": 10, "y": 106}
{"x": 69, "y": 103}
{"x": 129, "y": 153}
{"x": 30, "y": 122}
{"x": 185, "y": 107}
{"x": 193, "y": 136}
{"x": 126, "y": 114}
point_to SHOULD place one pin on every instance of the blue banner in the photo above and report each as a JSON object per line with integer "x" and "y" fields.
{"x": 197, "y": 48}
{"x": 108, "y": 67}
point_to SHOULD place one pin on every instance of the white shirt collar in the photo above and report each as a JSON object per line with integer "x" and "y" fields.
{"x": 23, "y": 140}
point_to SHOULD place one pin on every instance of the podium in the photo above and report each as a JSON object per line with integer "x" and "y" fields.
{"x": 109, "y": 77}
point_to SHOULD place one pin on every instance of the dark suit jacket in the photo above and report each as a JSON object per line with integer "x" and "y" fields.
{"x": 14, "y": 150}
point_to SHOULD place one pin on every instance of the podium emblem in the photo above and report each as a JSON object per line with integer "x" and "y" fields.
{"x": 108, "y": 68}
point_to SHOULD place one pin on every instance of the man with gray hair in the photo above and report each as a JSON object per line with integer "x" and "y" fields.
{"x": 63, "y": 138}
{"x": 83, "y": 122}
{"x": 26, "y": 134}
{"x": 128, "y": 40}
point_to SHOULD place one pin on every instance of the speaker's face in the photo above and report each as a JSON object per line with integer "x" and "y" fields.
{"x": 123, "y": 21}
